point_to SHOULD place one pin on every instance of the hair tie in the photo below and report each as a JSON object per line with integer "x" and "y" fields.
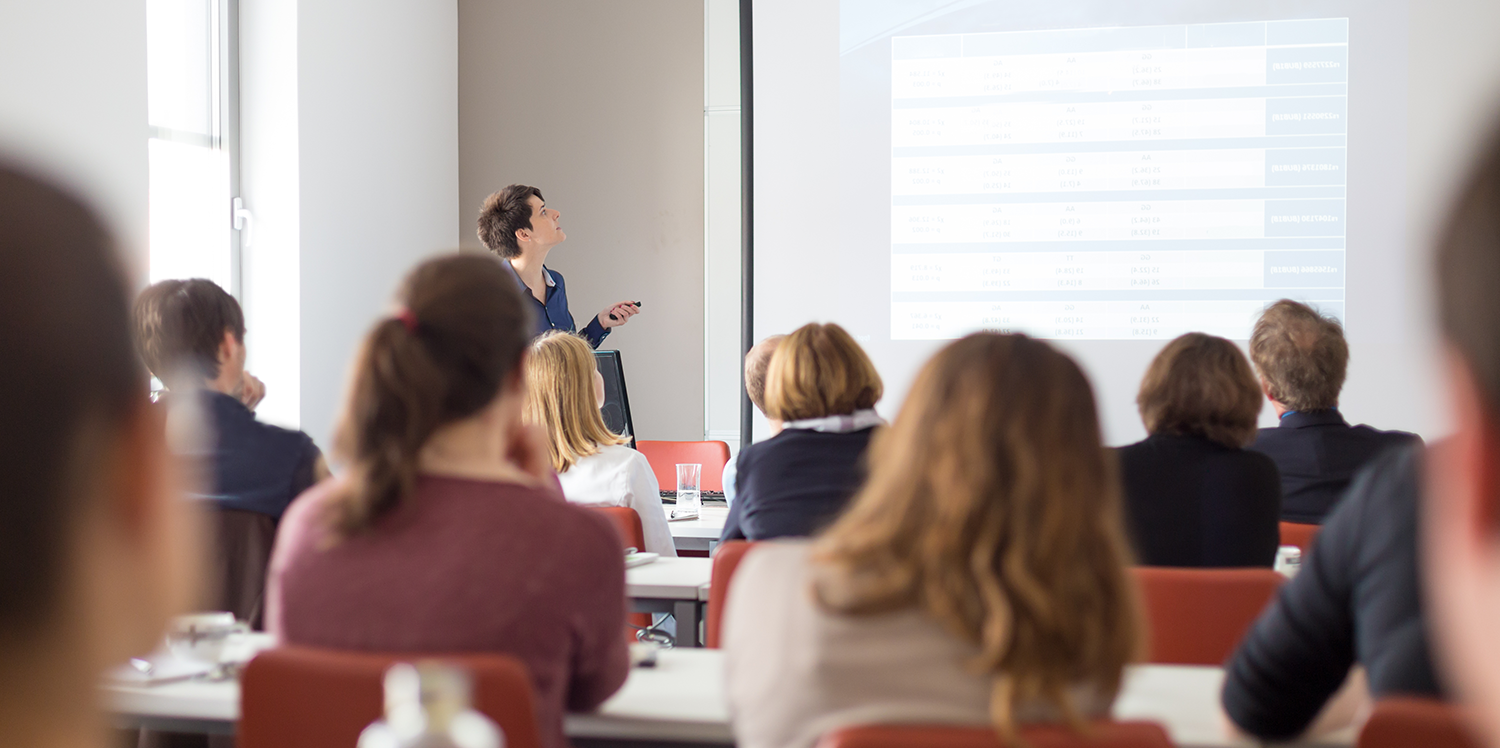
{"x": 408, "y": 320}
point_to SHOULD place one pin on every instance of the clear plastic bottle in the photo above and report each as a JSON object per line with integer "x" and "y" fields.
{"x": 427, "y": 706}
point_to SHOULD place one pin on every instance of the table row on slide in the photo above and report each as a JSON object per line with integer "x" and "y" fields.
{"x": 1106, "y": 270}
{"x": 1120, "y": 59}
{"x": 1134, "y": 220}
{"x": 1086, "y": 320}
{"x": 1116, "y": 121}
{"x": 1117, "y": 171}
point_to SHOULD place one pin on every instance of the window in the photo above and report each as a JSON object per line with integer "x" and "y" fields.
{"x": 191, "y": 91}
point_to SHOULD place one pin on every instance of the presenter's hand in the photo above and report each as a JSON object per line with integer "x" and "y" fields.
{"x": 623, "y": 311}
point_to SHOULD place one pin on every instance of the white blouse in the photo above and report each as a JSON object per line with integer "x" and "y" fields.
{"x": 619, "y": 476}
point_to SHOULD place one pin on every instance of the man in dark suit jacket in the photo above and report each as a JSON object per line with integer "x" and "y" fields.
{"x": 1302, "y": 358}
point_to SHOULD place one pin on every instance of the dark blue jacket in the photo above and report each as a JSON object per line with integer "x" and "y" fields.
{"x": 1318, "y": 453}
{"x": 254, "y": 466}
{"x": 1194, "y": 502}
{"x": 1358, "y": 599}
{"x": 795, "y": 483}
{"x": 554, "y": 314}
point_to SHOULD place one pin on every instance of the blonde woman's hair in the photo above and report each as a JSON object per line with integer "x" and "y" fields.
{"x": 992, "y": 505}
{"x": 820, "y": 371}
{"x": 560, "y": 398}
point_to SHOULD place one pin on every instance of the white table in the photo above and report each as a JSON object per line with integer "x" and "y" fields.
{"x": 682, "y": 701}
{"x": 700, "y": 534}
{"x": 672, "y": 585}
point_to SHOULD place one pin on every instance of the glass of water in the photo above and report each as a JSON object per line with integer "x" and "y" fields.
{"x": 689, "y": 495}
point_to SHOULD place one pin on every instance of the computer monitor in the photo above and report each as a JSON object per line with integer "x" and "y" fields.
{"x": 616, "y": 410}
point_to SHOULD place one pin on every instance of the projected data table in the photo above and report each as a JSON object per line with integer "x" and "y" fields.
{"x": 1117, "y": 183}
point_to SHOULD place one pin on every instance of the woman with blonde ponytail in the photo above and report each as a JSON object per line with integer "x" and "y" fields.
{"x": 445, "y": 531}
{"x": 979, "y": 577}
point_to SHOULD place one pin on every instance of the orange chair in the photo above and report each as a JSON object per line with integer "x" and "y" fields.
{"x": 1101, "y": 735}
{"x": 628, "y": 522}
{"x": 298, "y": 697}
{"x": 1198, "y": 616}
{"x": 665, "y": 456}
{"x": 727, "y": 558}
{"x": 1301, "y": 535}
{"x": 1407, "y": 722}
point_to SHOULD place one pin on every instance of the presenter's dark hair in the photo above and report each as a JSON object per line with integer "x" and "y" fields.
{"x": 457, "y": 340}
{"x": 1468, "y": 275}
{"x": 179, "y": 325}
{"x": 70, "y": 376}
{"x": 1201, "y": 385}
{"x": 503, "y": 214}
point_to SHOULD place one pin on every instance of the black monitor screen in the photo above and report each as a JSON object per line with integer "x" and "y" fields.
{"x": 616, "y": 410}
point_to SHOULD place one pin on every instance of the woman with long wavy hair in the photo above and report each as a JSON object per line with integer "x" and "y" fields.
{"x": 978, "y": 577}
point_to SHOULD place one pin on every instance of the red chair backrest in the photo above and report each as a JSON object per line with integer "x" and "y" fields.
{"x": 299, "y": 697}
{"x": 1301, "y": 535}
{"x": 628, "y": 522}
{"x": 665, "y": 456}
{"x": 1100, "y": 735}
{"x": 1198, "y": 616}
{"x": 1416, "y": 723}
{"x": 727, "y": 558}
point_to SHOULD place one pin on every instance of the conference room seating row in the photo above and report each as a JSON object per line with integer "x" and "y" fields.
{"x": 299, "y": 697}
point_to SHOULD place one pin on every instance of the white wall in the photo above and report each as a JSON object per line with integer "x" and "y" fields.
{"x": 352, "y": 163}
{"x": 600, "y": 104}
{"x": 73, "y": 103}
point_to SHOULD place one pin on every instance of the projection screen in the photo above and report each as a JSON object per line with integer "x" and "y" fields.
{"x": 1105, "y": 175}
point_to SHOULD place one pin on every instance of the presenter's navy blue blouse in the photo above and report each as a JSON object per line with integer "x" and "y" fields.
{"x": 554, "y": 314}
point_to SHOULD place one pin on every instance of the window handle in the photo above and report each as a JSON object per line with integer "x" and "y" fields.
{"x": 244, "y": 221}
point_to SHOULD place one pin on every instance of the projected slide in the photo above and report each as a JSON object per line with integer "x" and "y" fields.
{"x": 1120, "y": 183}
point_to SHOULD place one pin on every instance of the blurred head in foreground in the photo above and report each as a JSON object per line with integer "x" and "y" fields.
{"x": 1461, "y": 524}
{"x": 93, "y": 539}
{"x": 992, "y": 506}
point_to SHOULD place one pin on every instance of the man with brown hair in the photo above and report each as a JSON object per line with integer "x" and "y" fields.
{"x": 1302, "y": 358}
{"x": 516, "y": 224}
{"x": 191, "y": 335}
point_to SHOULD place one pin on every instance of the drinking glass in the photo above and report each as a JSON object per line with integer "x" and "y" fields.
{"x": 689, "y": 496}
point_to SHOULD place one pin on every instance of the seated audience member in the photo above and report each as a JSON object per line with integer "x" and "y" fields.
{"x": 95, "y": 548}
{"x": 757, "y": 360}
{"x": 979, "y": 577}
{"x": 822, "y": 389}
{"x": 191, "y": 335}
{"x": 446, "y": 533}
{"x": 1302, "y": 357}
{"x": 1194, "y": 496}
{"x": 564, "y": 394}
{"x": 1461, "y": 513}
{"x": 1356, "y": 601}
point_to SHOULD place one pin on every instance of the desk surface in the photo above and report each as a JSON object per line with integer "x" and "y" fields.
{"x": 708, "y": 526}
{"x": 669, "y": 579}
{"x": 682, "y": 699}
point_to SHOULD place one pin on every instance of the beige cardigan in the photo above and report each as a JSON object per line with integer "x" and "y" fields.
{"x": 796, "y": 672}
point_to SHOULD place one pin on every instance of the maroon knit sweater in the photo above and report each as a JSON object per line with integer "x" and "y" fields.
{"x": 464, "y": 566}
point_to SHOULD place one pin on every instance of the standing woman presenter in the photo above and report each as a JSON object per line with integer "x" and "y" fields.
{"x": 516, "y": 224}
